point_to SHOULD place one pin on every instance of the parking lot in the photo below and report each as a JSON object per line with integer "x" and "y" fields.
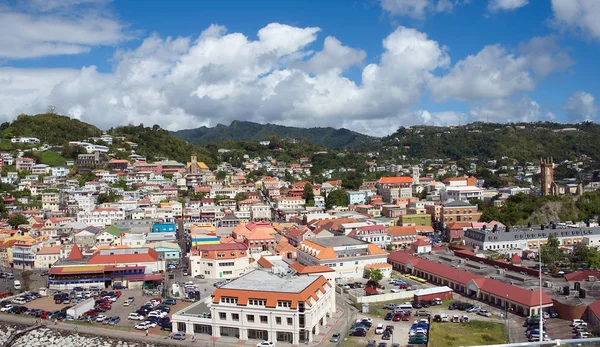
{"x": 117, "y": 309}
{"x": 556, "y": 328}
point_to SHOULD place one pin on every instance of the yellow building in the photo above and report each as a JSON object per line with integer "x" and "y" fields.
{"x": 415, "y": 219}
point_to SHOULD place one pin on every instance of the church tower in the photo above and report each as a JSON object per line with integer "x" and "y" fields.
{"x": 415, "y": 175}
{"x": 547, "y": 176}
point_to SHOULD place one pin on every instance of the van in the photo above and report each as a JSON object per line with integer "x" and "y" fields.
{"x": 404, "y": 307}
{"x": 17, "y": 285}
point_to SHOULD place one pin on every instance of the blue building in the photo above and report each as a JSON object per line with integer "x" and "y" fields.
{"x": 163, "y": 227}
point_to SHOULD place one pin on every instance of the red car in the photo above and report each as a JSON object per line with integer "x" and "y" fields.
{"x": 397, "y": 317}
{"x": 118, "y": 293}
{"x": 91, "y": 313}
{"x": 403, "y": 286}
{"x": 105, "y": 306}
{"x": 45, "y": 314}
{"x": 406, "y": 316}
{"x": 157, "y": 299}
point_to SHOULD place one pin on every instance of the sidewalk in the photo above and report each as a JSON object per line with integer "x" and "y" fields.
{"x": 202, "y": 340}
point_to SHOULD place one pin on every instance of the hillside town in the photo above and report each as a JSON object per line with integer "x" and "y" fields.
{"x": 279, "y": 241}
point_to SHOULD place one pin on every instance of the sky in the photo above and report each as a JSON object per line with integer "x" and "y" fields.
{"x": 366, "y": 65}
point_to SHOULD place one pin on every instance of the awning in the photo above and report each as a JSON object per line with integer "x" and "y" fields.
{"x": 153, "y": 277}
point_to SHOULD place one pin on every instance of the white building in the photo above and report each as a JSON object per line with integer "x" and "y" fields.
{"x": 218, "y": 261}
{"x": 50, "y": 201}
{"x": 346, "y": 255}
{"x": 289, "y": 203}
{"x": 264, "y": 306}
{"x": 464, "y": 193}
{"x": 24, "y": 140}
{"x": 260, "y": 212}
{"x": 100, "y": 217}
{"x": 60, "y": 171}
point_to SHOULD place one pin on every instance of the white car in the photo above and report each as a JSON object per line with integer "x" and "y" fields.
{"x": 6, "y": 308}
{"x": 484, "y": 313}
{"x": 100, "y": 318}
{"x": 19, "y": 301}
{"x": 370, "y": 320}
{"x": 577, "y": 322}
{"x": 142, "y": 326}
{"x": 158, "y": 314}
{"x": 127, "y": 303}
{"x": 135, "y": 316}
{"x": 546, "y": 315}
{"x": 150, "y": 324}
{"x": 379, "y": 329}
{"x": 265, "y": 344}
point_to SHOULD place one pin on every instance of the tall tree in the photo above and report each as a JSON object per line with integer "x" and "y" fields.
{"x": 308, "y": 195}
{"x": 337, "y": 197}
{"x": 17, "y": 220}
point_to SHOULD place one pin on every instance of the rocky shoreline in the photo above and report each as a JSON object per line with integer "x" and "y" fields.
{"x": 47, "y": 337}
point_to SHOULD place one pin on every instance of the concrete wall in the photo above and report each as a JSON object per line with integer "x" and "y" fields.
{"x": 569, "y": 312}
{"x": 407, "y": 294}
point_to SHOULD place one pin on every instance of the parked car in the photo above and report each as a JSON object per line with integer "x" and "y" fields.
{"x": 484, "y": 313}
{"x": 170, "y": 302}
{"x": 474, "y": 309}
{"x": 335, "y": 337}
{"x": 397, "y": 317}
{"x": 389, "y": 306}
{"x": 423, "y": 313}
{"x": 135, "y": 316}
{"x": 178, "y": 336}
{"x": 577, "y": 322}
{"x": 6, "y": 308}
{"x": 265, "y": 344}
{"x": 379, "y": 329}
{"x": 359, "y": 332}
{"x": 167, "y": 326}
{"x": 114, "y": 320}
{"x": 100, "y": 318}
{"x": 389, "y": 316}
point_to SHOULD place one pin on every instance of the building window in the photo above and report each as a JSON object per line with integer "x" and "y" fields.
{"x": 278, "y": 320}
{"x": 228, "y": 300}
{"x": 257, "y": 302}
{"x": 210, "y": 264}
{"x": 264, "y": 319}
{"x": 227, "y": 272}
{"x": 284, "y": 304}
{"x": 250, "y": 318}
{"x": 222, "y": 315}
{"x": 235, "y": 316}
{"x": 289, "y": 321}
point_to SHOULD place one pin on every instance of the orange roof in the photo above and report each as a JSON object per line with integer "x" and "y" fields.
{"x": 318, "y": 251}
{"x": 271, "y": 298}
{"x": 397, "y": 179}
{"x": 264, "y": 263}
{"x": 75, "y": 253}
{"x": 49, "y": 250}
{"x": 401, "y": 231}
{"x": 260, "y": 234}
{"x": 378, "y": 266}
{"x": 151, "y": 256}
{"x": 283, "y": 248}
{"x": 374, "y": 250}
{"x": 311, "y": 269}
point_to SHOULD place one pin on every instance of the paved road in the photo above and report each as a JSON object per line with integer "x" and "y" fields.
{"x": 201, "y": 339}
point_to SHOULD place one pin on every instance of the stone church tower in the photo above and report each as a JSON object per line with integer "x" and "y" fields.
{"x": 547, "y": 176}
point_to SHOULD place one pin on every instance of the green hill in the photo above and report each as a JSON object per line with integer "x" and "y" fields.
{"x": 155, "y": 142}
{"x": 522, "y": 141}
{"x": 249, "y": 131}
{"x": 50, "y": 128}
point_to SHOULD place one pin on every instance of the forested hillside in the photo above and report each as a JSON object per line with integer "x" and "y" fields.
{"x": 524, "y": 141}
{"x": 50, "y": 128}
{"x": 156, "y": 142}
{"x": 246, "y": 131}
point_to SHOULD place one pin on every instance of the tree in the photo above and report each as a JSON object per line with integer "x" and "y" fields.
{"x": 240, "y": 197}
{"x": 17, "y": 220}
{"x": 375, "y": 275}
{"x": 337, "y": 197}
{"x": 26, "y": 279}
{"x": 551, "y": 254}
{"x": 221, "y": 175}
{"x": 587, "y": 255}
{"x": 308, "y": 195}
{"x": 108, "y": 197}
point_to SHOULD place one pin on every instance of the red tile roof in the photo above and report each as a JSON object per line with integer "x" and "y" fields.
{"x": 75, "y": 253}
{"x": 151, "y": 256}
{"x": 516, "y": 294}
{"x": 397, "y": 179}
{"x": 264, "y": 263}
{"x": 515, "y": 259}
{"x": 595, "y": 308}
{"x": 311, "y": 269}
{"x": 581, "y": 275}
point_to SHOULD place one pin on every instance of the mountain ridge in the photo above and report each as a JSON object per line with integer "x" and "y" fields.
{"x": 251, "y": 131}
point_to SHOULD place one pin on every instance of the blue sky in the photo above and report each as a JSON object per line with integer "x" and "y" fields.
{"x": 369, "y": 65}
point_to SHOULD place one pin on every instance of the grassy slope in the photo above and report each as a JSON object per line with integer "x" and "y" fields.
{"x": 466, "y": 334}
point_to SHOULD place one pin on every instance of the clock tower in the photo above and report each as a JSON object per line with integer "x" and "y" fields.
{"x": 547, "y": 176}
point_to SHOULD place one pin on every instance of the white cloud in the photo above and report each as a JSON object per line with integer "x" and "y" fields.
{"x": 580, "y": 15}
{"x": 418, "y": 9}
{"x": 333, "y": 56}
{"x": 219, "y": 76}
{"x": 38, "y": 33}
{"x": 504, "y": 110}
{"x": 496, "y": 73}
{"x": 506, "y": 5}
{"x": 581, "y": 106}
